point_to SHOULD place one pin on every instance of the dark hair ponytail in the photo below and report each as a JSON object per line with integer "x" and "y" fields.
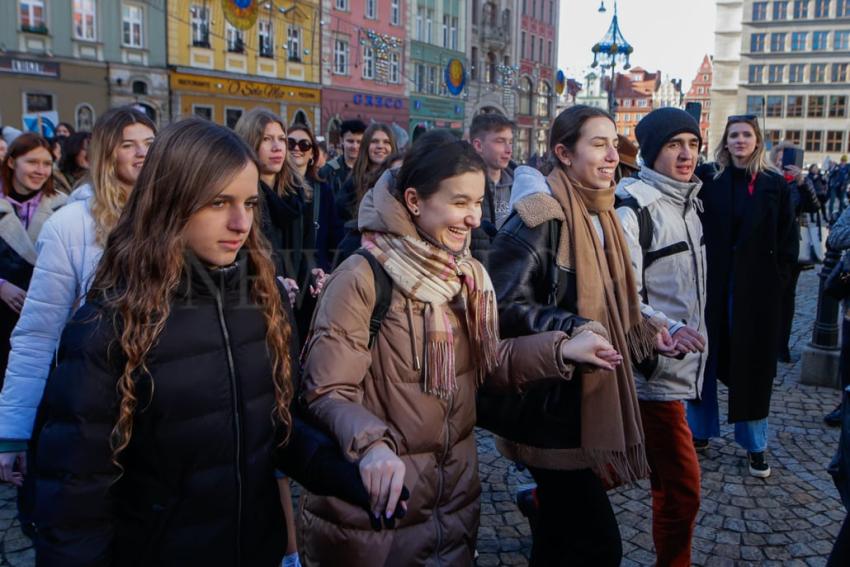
{"x": 435, "y": 156}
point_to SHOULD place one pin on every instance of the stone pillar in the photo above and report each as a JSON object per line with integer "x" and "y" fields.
{"x": 819, "y": 364}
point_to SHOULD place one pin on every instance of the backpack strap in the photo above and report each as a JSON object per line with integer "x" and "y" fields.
{"x": 645, "y": 230}
{"x": 383, "y": 294}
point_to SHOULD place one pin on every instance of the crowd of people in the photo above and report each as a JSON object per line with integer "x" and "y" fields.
{"x": 194, "y": 316}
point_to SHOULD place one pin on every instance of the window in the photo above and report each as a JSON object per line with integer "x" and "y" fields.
{"x": 235, "y": 39}
{"x": 395, "y": 12}
{"x": 523, "y": 40}
{"x": 780, "y": 10}
{"x": 700, "y": 90}
{"x": 525, "y": 96}
{"x": 835, "y": 141}
{"x": 540, "y": 49}
{"x": 774, "y": 106}
{"x": 132, "y": 16}
{"x": 755, "y": 74}
{"x": 293, "y": 42}
{"x": 775, "y": 73}
{"x": 453, "y": 37}
{"x": 821, "y": 8}
{"x": 817, "y": 73}
{"x": 552, "y": 12}
{"x": 837, "y": 106}
{"x": 801, "y": 9}
{"x": 549, "y": 53}
{"x": 757, "y": 42}
{"x": 32, "y": 16}
{"x": 793, "y": 136}
{"x": 38, "y": 102}
{"x": 139, "y": 87}
{"x": 755, "y": 105}
{"x": 777, "y": 42}
{"x": 84, "y": 117}
{"x": 205, "y": 112}
{"x": 368, "y": 67}
{"x": 819, "y": 40}
{"x": 341, "y": 5}
{"x": 395, "y": 67}
{"x": 266, "y": 38}
{"x": 445, "y": 28}
{"x": 473, "y": 64}
{"x": 798, "y": 41}
{"x": 85, "y": 19}
{"x": 814, "y": 140}
{"x": 544, "y": 96}
{"x": 842, "y": 8}
{"x": 796, "y": 72}
{"x": 340, "y": 57}
{"x": 816, "y": 106}
{"x": 429, "y": 25}
{"x": 643, "y": 103}
{"x": 371, "y": 11}
{"x": 432, "y": 79}
{"x": 842, "y": 40}
{"x": 200, "y": 25}
{"x": 232, "y": 116}
{"x": 759, "y": 11}
{"x": 627, "y": 131}
{"x": 771, "y": 138}
{"x": 839, "y": 72}
{"x": 420, "y": 24}
{"x": 794, "y": 106}
{"x": 420, "y": 78}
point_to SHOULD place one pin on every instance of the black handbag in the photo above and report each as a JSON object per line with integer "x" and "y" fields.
{"x": 838, "y": 281}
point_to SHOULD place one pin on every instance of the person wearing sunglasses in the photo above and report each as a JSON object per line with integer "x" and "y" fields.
{"x": 751, "y": 249}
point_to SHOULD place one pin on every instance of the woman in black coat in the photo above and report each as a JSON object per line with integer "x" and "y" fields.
{"x": 751, "y": 248}
{"x": 168, "y": 412}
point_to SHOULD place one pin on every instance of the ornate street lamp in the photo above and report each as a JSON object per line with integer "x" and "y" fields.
{"x": 611, "y": 50}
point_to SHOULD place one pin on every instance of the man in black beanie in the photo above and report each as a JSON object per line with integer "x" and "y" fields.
{"x": 659, "y": 217}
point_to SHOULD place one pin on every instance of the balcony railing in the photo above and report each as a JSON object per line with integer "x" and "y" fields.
{"x": 35, "y": 28}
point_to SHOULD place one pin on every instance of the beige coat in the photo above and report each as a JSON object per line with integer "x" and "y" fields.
{"x": 365, "y": 396}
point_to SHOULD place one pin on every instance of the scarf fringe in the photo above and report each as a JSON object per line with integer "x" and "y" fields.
{"x": 440, "y": 378}
{"x": 485, "y": 332}
{"x": 641, "y": 340}
{"x": 616, "y": 468}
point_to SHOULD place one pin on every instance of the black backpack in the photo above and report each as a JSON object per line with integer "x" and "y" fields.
{"x": 383, "y": 294}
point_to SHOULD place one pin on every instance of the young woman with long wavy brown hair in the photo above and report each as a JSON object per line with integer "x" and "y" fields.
{"x": 69, "y": 247}
{"x": 164, "y": 419}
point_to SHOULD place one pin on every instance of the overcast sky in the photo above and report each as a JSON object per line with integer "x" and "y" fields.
{"x": 668, "y": 35}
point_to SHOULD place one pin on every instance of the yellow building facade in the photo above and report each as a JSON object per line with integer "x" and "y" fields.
{"x": 228, "y": 56}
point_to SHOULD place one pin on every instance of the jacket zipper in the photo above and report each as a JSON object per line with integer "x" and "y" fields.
{"x": 237, "y": 424}
{"x": 697, "y": 264}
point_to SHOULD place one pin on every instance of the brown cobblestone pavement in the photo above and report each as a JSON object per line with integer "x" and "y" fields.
{"x": 789, "y": 519}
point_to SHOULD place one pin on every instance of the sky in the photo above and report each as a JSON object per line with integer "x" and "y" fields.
{"x": 667, "y": 35}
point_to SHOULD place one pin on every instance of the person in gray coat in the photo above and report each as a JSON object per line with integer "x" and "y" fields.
{"x": 658, "y": 211}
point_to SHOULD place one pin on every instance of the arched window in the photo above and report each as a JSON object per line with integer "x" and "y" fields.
{"x": 525, "y": 96}
{"x": 544, "y": 99}
{"x": 491, "y": 68}
{"x": 140, "y": 87}
{"x": 84, "y": 117}
{"x": 488, "y": 14}
{"x": 300, "y": 118}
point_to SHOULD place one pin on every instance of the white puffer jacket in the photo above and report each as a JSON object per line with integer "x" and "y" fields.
{"x": 67, "y": 257}
{"x": 674, "y": 276}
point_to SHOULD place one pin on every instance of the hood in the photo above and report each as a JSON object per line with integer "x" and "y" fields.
{"x": 82, "y": 193}
{"x": 380, "y": 211}
{"x": 650, "y": 186}
{"x": 527, "y": 181}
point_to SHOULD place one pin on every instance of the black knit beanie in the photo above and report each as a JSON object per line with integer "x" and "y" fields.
{"x": 657, "y": 127}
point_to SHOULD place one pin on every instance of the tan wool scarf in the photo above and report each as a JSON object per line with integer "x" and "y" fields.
{"x": 435, "y": 277}
{"x": 612, "y": 441}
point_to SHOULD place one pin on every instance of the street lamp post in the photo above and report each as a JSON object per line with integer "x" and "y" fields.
{"x": 613, "y": 48}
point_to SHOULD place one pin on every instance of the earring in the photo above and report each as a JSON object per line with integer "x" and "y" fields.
{"x": 568, "y": 163}
{"x": 415, "y": 212}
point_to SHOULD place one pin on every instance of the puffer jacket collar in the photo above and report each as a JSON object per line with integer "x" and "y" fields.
{"x": 380, "y": 211}
{"x": 203, "y": 282}
{"x": 650, "y": 186}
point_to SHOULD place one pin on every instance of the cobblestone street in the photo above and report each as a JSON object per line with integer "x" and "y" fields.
{"x": 791, "y": 518}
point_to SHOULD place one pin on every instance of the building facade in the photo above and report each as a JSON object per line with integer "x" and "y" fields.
{"x": 225, "y": 60}
{"x": 787, "y": 62}
{"x": 70, "y": 60}
{"x": 437, "y": 48}
{"x": 364, "y": 72}
{"x": 593, "y": 92}
{"x": 700, "y": 93}
{"x": 668, "y": 94}
{"x": 536, "y": 50}
{"x": 633, "y": 93}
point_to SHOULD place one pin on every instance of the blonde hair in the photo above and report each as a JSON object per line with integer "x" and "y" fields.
{"x": 250, "y": 128}
{"x": 756, "y": 163}
{"x": 110, "y": 195}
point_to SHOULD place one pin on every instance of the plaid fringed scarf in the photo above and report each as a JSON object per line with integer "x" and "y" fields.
{"x": 435, "y": 277}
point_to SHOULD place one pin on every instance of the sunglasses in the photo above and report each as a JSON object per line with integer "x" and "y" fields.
{"x": 742, "y": 118}
{"x": 303, "y": 145}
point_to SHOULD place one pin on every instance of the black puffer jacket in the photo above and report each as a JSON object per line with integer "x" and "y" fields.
{"x": 534, "y": 296}
{"x": 198, "y": 486}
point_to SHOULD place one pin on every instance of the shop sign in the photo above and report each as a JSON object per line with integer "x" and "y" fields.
{"x": 378, "y": 101}
{"x": 29, "y": 67}
{"x": 239, "y": 87}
